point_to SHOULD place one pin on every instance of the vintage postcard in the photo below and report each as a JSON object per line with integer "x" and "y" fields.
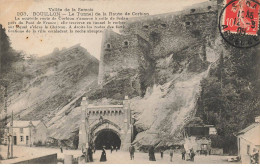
{"x": 129, "y": 82}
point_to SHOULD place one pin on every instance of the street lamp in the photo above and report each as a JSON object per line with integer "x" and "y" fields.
{"x": 132, "y": 128}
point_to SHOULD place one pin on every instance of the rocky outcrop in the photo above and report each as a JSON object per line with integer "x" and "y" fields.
{"x": 174, "y": 55}
{"x": 52, "y": 87}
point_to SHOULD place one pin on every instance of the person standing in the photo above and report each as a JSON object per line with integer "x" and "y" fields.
{"x": 161, "y": 151}
{"x": 90, "y": 154}
{"x": 103, "y": 157}
{"x": 183, "y": 152}
{"x": 83, "y": 150}
{"x": 61, "y": 149}
{"x": 171, "y": 154}
{"x": 116, "y": 148}
{"x": 151, "y": 154}
{"x": 192, "y": 154}
{"x": 132, "y": 151}
{"x": 112, "y": 148}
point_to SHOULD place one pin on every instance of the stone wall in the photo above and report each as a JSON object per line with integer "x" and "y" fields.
{"x": 120, "y": 52}
{"x": 154, "y": 38}
{"x": 172, "y": 32}
{"x": 42, "y": 159}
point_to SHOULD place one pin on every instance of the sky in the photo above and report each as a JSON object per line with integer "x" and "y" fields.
{"x": 43, "y": 44}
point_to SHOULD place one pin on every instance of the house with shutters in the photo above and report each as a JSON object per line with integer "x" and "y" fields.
{"x": 248, "y": 141}
{"x": 27, "y": 133}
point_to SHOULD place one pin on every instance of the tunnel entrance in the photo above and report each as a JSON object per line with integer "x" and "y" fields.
{"x": 107, "y": 138}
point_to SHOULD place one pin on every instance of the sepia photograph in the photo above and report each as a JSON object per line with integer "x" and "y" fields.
{"x": 129, "y": 82}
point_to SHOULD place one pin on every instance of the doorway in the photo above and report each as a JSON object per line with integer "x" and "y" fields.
{"x": 15, "y": 140}
{"x": 107, "y": 138}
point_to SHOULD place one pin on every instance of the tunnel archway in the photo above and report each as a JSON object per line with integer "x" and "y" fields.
{"x": 107, "y": 138}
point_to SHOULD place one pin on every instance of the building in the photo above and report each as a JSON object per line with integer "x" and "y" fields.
{"x": 28, "y": 132}
{"x": 197, "y": 137}
{"x": 249, "y": 142}
{"x": 106, "y": 125}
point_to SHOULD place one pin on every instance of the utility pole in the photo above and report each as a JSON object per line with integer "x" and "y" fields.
{"x": 4, "y": 83}
{"x": 30, "y": 134}
{"x": 5, "y": 121}
{"x": 8, "y": 140}
{"x": 12, "y": 140}
{"x": 5, "y": 101}
{"x": 221, "y": 78}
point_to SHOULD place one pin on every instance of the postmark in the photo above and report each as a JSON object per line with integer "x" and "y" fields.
{"x": 239, "y": 23}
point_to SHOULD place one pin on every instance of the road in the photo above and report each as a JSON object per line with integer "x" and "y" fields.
{"x": 120, "y": 157}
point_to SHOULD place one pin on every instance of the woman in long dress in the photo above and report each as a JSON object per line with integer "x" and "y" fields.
{"x": 103, "y": 157}
{"x": 151, "y": 154}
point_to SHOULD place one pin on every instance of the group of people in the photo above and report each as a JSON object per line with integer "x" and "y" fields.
{"x": 103, "y": 157}
{"x": 88, "y": 153}
{"x": 151, "y": 152}
{"x": 112, "y": 148}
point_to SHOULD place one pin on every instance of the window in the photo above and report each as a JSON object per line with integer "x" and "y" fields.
{"x": 146, "y": 26}
{"x": 27, "y": 139}
{"x": 248, "y": 149}
{"x": 204, "y": 146}
{"x": 163, "y": 25}
{"x": 126, "y": 43}
{"x": 21, "y": 138}
{"x": 187, "y": 23}
{"x": 21, "y": 130}
{"x": 108, "y": 46}
{"x": 192, "y": 10}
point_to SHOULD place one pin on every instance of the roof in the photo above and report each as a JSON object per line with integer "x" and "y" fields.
{"x": 251, "y": 134}
{"x": 23, "y": 123}
{"x": 247, "y": 129}
{"x": 105, "y": 106}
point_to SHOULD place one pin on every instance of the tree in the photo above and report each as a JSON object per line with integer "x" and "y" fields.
{"x": 229, "y": 97}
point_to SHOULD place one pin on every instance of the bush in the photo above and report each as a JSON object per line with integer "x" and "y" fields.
{"x": 1, "y": 157}
{"x": 37, "y": 144}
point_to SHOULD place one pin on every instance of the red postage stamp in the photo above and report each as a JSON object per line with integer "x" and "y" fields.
{"x": 242, "y": 16}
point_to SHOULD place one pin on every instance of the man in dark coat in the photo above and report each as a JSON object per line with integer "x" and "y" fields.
{"x": 90, "y": 154}
{"x": 132, "y": 151}
{"x": 161, "y": 151}
{"x": 103, "y": 157}
{"x": 112, "y": 148}
{"x": 61, "y": 149}
{"x": 151, "y": 154}
{"x": 183, "y": 152}
{"x": 192, "y": 154}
